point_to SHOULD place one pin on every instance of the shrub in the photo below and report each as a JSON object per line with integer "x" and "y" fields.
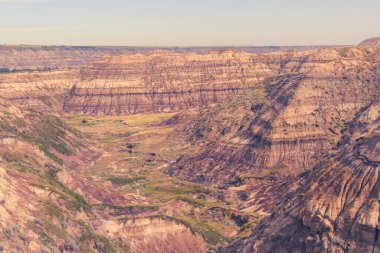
{"x": 99, "y": 246}
{"x": 70, "y": 246}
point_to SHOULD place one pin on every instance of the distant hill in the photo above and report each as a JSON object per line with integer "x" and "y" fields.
{"x": 30, "y": 58}
{"x": 372, "y": 42}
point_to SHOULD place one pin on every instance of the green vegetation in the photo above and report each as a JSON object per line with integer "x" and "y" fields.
{"x": 210, "y": 234}
{"x": 183, "y": 190}
{"x": 48, "y": 133}
{"x": 129, "y": 209}
{"x": 46, "y": 100}
{"x": 254, "y": 221}
{"x": 89, "y": 239}
{"x": 75, "y": 200}
{"x": 51, "y": 156}
{"x": 131, "y": 141}
{"x": 192, "y": 201}
{"x": 53, "y": 210}
{"x": 9, "y": 71}
{"x": 125, "y": 181}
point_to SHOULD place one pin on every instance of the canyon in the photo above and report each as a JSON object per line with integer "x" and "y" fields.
{"x": 337, "y": 208}
{"x": 121, "y": 149}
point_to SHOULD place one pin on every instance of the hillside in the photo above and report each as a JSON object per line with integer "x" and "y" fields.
{"x": 281, "y": 128}
{"x": 337, "y": 209}
{"x": 164, "y": 81}
{"x": 372, "y": 42}
{"x": 55, "y": 197}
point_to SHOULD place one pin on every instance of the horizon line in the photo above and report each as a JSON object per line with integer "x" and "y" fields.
{"x": 161, "y": 46}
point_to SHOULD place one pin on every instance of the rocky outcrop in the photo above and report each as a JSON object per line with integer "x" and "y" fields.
{"x": 166, "y": 81}
{"x": 161, "y": 234}
{"x": 155, "y": 81}
{"x": 25, "y": 58}
{"x": 372, "y": 42}
{"x": 162, "y": 81}
{"x": 282, "y": 127}
{"x": 337, "y": 209}
{"x": 43, "y": 90}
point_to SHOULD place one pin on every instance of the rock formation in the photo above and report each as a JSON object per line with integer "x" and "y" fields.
{"x": 294, "y": 132}
{"x": 16, "y": 58}
{"x": 162, "y": 81}
{"x": 372, "y": 42}
{"x": 166, "y": 81}
{"x": 283, "y": 126}
{"x": 337, "y": 209}
{"x": 43, "y": 90}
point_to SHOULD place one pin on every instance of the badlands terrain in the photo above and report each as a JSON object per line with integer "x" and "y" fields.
{"x": 121, "y": 149}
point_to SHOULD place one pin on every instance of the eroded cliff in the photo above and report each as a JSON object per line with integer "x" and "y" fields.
{"x": 337, "y": 209}
{"x": 166, "y": 81}
{"x": 283, "y": 126}
{"x": 372, "y": 42}
{"x": 40, "y": 90}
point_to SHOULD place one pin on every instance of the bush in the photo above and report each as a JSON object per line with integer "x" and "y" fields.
{"x": 99, "y": 246}
{"x": 10, "y": 232}
{"x": 70, "y": 246}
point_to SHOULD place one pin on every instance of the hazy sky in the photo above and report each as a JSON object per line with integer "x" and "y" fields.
{"x": 188, "y": 23}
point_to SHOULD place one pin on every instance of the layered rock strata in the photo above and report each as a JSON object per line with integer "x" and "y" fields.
{"x": 31, "y": 58}
{"x": 162, "y": 81}
{"x": 372, "y": 42}
{"x": 282, "y": 127}
{"x": 43, "y": 90}
{"x": 337, "y": 209}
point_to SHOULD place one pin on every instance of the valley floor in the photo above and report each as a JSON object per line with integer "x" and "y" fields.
{"x": 127, "y": 181}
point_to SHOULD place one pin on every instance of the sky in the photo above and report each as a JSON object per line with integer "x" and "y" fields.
{"x": 188, "y": 23}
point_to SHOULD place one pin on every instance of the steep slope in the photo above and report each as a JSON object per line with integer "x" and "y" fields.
{"x": 48, "y": 204}
{"x": 282, "y": 127}
{"x": 337, "y": 209}
{"x": 372, "y": 42}
{"x": 45, "y": 58}
{"x": 41, "y": 90}
{"x": 38, "y": 212}
{"x": 166, "y": 81}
